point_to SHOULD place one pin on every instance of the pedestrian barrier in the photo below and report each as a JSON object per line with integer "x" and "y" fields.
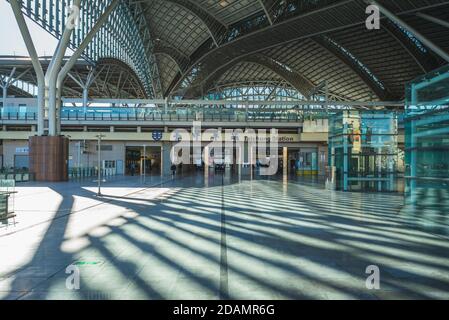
{"x": 17, "y": 177}
{"x": 7, "y": 197}
{"x": 80, "y": 173}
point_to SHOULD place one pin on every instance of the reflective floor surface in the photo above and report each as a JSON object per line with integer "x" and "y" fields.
{"x": 218, "y": 238}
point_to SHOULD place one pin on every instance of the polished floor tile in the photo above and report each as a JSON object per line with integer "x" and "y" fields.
{"x": 220, "y": 237}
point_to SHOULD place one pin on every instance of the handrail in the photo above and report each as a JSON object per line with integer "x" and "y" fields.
{"x": 172, "y": 117}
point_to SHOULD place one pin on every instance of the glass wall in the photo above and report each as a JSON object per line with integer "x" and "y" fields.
{"x": 307, "y": 162}
{"x": 188, "y": 113}
{"x": 363, "y": 150}
{"x": 427, "y": 142}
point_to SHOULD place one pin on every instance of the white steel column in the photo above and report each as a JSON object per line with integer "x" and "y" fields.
{"x": 89, "y": 81}
{"x": 4, "y": 86}
{"x": 15, "y": 5}
{"x": 79, "y": 51}
{"x": 6, "y": 83}
{"x": 84, "y": 85}
{"x": 52, "y": 74}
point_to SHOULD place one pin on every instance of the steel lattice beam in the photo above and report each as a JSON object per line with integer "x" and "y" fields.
{"x": 345, "y": 14}
{"x": 216, "y": 29}
{"x": 296, "y": 80}
{"x": 181, "y": 60}
{"x": 119, "y": 38}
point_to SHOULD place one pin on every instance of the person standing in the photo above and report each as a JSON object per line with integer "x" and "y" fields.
{"x": 173, "y": 170}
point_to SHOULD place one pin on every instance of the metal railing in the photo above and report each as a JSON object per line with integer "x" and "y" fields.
{"x": 22, "y": 116}
{"x": 17, "y": 176}
{"x": 80, "y": 173}
{"x": 178, "y": 115}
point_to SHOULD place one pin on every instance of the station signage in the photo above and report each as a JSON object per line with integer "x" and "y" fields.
{"x": 211, "y": 137}
{"x": 157, "y": 135}
{"x": 24, "y": 150}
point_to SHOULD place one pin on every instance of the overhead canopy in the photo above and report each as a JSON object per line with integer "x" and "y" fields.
{"x": 194, "y": 48}
{"x": 111, "y": 78}
{"x": 201, "y": 45}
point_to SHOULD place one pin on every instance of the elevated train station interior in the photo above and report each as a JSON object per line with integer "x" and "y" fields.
{"x": 224, "y": 149}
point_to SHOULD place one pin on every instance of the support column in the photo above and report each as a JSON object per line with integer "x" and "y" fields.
{"x": 326, "y": 93}
{"x": 85, "y": 98}
{"x": 345, "y": 158}
{"x": 48, "y": 158}
{"x": 285, "y": 161}
{"x": 52, "y": 76}
{"x": 90, "y": 79}
{"x": 84, "y": 44}
{"x": 5, "y": 95}
{"x": 206, "y": 162}
{"x": 84, "y": 85}
{"x": 315, "y": 165}
{"x": 166, "y": 106}
{"x": 165, "y": 159}
{"x": 48, "y": 155}
{"x": 15, "y": 5}
{"x": 5, "y": 83}
{"x": 413, "y": 150}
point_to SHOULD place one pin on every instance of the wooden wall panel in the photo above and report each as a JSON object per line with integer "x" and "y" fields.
{"x": 49, "y": 158}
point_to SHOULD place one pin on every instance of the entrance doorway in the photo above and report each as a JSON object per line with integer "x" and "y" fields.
{"x": 21, "y": 162}
{"x": 138, "y": 157}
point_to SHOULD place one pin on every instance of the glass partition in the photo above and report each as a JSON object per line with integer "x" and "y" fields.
{"x": 18, "y": 113}
{"x": 228, "y": 113}
{"x": 363, "y": 150}
{"x": 307, "y": 162}
{"x": 427, "y": 141}
{"x": 159, "y": 114}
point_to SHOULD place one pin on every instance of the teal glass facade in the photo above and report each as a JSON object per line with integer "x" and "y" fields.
{"x": 427, "y": 141}
{"x": 307, "y": 162}
{"x": 363, "y": 150}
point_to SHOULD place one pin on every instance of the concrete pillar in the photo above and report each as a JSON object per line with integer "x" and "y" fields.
{"x": 206, "y": 161}
{"x": 139, "y": 129}
{"x": 48, "y": 158}
{"x": 111, "y": 129}
{"x": 165, "y": 159}
{"x": 285, "y": 161}
{"x": 246, "y": 153}
{"x": 345, "y": 158}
